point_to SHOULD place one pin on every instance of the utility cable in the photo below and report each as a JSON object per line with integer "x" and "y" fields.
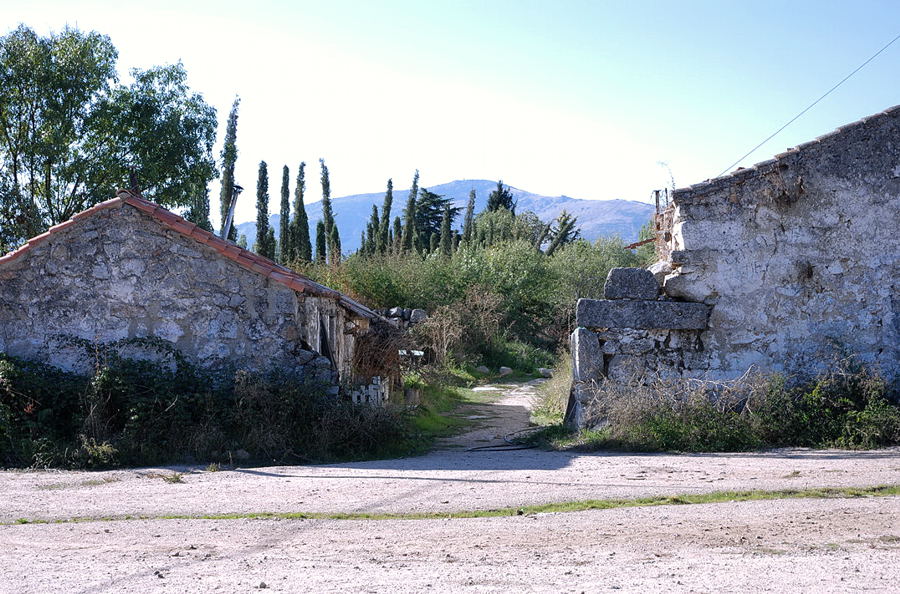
{"x": 811, "y": 105}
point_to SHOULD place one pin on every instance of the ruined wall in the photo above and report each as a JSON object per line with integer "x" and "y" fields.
{"x": 797, "y": 259}
{"x": 120, "y": 274}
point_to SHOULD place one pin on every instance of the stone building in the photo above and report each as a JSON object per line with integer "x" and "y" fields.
{"x": 128, "y": 269}
{"x": 781, "y": 267}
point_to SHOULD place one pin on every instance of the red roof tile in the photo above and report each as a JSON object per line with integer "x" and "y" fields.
{"x": 242, "y": 257}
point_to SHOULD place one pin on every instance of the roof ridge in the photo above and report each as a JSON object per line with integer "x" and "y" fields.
{"x": 744, "y": 171}
{"x": 242, "y": 257}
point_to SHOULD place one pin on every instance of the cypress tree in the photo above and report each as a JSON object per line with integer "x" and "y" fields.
{"x": 396, "y": 235}
{"x": 468, "y": 223}
{"x": 284, "y": 225}
{"x": 262, "y": 211}
{"x": 408, "y": 239}
{"x": 433, "y": 243}
{"x": 501, "y": 198}
{"x": 271, "y": 244}
{"x": 199, "y": 210}
{"x": 364, "y": 242}
{"x": 321, "y": 242}
{"x": 334, "y": 246}
{"x": 385, "y": 228}
{"x": 229, "y": 157}
{"x": 375, "y": 233}
{"x": 446, "y": 234}
{"x": 300, "y": 241}
{"x": 327, "y": 215}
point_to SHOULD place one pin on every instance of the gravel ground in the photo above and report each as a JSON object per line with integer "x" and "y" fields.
{"x": 820, "y": 545}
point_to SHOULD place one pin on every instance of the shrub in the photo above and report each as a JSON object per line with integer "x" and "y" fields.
{"x": 845, "y": 407}
{"x": 139, "y": 412}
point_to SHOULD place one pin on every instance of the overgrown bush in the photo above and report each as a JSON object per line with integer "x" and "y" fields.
{"x": 846, "y": 407}
{"x": 132, "y": 412}
{"x": 504, "y": 295}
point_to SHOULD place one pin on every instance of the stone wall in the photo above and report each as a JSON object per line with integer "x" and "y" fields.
{"x": 121, "y": 274}
{"x": 795, "y": 260}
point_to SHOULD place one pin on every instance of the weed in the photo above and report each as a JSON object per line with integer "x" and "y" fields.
{"x": 213, "y": 467}
{"x": 174, "y": 478}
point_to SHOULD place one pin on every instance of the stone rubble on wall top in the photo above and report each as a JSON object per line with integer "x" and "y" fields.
{"x": 671, "y": 315}
{"x": 630, "y": 283}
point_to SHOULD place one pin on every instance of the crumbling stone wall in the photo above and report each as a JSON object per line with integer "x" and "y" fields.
{"x": 796, "y": 260}
{"x": 120, "y": 274}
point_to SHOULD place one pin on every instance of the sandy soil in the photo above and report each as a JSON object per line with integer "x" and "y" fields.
{"x": 811, "y": 545}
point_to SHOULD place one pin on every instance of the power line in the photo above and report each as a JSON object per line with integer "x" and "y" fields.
{"x": 811, "y": 105}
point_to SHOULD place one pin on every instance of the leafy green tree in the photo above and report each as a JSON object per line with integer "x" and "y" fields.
{"x": 385, "y": 225}
{"x": 564, "y": 231}
{"x": 262, "y": 211}
{"x": 647, "y": 252}
{"x": 242, "y": 241}
{"x": 501, "y": 198}
{"x": 468, "y": 222}
{"x": 71, "y": 134}
{"x": 408, "y": 239}
{"x": 429, "y": 214}
{"x": 447, "y": 239}
{"x": 321, "y": 243}
{"x": 284, "y": 225}
{"x": 229, "y": 158}
{"x": 300, "y": 241}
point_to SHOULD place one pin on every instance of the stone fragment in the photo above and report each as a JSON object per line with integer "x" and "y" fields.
{"x": 504, "y": 371}
{"x": 544, "y": 372}
{"x": 659, "y": 270}
{"x": 417, "y": 315}
{"x": 630, "y": 283}
{"x": 482, "y": 369}
{"x": 672, "y": 315}
{"x": 395, "y": 312}
{"x": 587, "y": 358}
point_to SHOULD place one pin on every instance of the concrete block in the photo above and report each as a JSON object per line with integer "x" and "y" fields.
{"x": 630, "y": 283}
{"x": 672, "y": 315}
{"x": 587, "y": 358}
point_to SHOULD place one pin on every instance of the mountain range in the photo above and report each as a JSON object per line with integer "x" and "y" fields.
{"x": 596, "y": 218}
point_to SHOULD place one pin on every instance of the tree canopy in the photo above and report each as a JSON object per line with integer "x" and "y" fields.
{"x": 71, "y": 133}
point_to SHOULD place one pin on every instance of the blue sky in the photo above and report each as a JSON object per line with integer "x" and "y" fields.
{"x": 566, "y": 97}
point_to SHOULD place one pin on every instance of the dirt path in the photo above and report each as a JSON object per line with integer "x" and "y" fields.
{"x": 813, "y": 545}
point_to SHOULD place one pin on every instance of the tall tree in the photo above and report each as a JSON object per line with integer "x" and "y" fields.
{"x": 408, "y": 239}
{"x": 198, "y": 213}
{"x": 261, "y": 246}
{"x": 564, "y": 231}
{"x": 375, "y": 232}
{"x": 70, "y": 133}
{"x": 501, "y": 198}
{"x": 284, "y": 225}
{"x": 321, "y": 243}
{"x": 229, "y": 158}
{"x": 385, "y": 225}
{"x": 327, "y": 214}
{"x": 470, "y": 217}
{"x": 397, "y": 235}
{"x": 429, "y": 214}
{"x": 446, "y": 234}
{"x": 300, "y": 241}
{"x": 334, "y": 247}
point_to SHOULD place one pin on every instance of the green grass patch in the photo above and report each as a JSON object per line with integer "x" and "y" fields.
{"x": 562, "y": 507}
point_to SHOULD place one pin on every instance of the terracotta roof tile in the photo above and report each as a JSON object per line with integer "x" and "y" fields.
{"x": 242, "y": 257}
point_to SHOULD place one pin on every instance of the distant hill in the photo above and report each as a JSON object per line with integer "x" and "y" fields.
{"x": 596, "y": 218}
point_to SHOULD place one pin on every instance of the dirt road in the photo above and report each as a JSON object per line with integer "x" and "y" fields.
{"x": 820, "y": 544}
